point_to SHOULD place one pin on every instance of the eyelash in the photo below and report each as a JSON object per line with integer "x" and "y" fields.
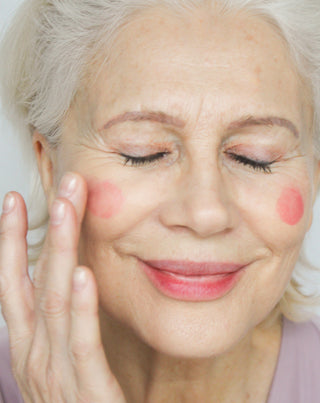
{"x": 149, "y": 159}
{"x": 263, "y": 166}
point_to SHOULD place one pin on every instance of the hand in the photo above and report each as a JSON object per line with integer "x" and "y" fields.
{"x": 56, "y": 349}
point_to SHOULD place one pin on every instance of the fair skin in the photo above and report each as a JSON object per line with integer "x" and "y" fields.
{"x": 198, "y": 203}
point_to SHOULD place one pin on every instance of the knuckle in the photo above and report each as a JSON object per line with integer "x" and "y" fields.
{"x": 9, "y": 233}
{"x": 53, "y": 304}
{"x": 81, "y": 397}
{"x": 18, "y": 367}
{"x": 59, "y": 380}
{"x": 63, "y": 247}
{"x": 27, "y": 369}
{"x": 82, "y": 350}
{"x": 61, "y": 244}
{"x": 33, "y": 368}
{"x": 38, "y": 278}
{"x": 54, "y": 381}
{"x": 5, "y": 233}
{"x": 86, "y": 308}
{"x": 20, "y": 343}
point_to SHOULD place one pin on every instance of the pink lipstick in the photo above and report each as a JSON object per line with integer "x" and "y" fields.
{"x": 192, "y": 281}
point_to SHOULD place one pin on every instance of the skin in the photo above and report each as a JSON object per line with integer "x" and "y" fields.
{"x": 105, "y": 200}
{"x": 198, "y": 203}
{"x": 290, "y": 206}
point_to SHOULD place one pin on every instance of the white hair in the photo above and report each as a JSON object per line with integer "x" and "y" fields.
{"x": 48, "y": 49}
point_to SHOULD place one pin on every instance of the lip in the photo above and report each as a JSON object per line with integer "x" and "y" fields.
{"x": 193, "y": 281}
{"x": 189, "y": 268}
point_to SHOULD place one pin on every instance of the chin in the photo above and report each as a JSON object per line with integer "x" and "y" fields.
{"x": 193, "y": 335}
{"x": 181, "y": 347}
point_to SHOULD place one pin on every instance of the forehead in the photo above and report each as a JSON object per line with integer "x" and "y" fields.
{"x": 161, "y": 60}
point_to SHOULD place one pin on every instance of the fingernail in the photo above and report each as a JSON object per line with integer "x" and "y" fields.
{"x": 79, "y": 279}
{"x": 8, "y": 203}
{"x": 67, "y": 185}
{"x": 58, "y": 212}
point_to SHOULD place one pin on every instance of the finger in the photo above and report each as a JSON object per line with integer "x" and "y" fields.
{"x": 74, "y": 188}
{"x": 62, "y": 259}
{"x": 94, "y": 377}
{"x": 62, "y": 256}
{"x": 16, "y": 289}
{"x": 31, "y": 371}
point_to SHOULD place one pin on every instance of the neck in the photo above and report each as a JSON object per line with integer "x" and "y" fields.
{"x": 243, "y": 373}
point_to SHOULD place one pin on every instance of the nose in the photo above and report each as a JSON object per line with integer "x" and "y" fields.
{"x": 202, "y": 202}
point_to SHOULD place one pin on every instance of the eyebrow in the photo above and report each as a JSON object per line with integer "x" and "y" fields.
{"x": 152, "y": 116}
{"x": 161, "y": 117}
{"x": 264, "y": 121}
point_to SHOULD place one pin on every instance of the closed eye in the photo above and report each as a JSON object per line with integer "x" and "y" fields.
{"x": 148, "y": 159}
{"x": 264, "y": 166}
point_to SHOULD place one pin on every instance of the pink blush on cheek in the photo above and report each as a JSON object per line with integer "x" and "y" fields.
{"x": 290, "y": 206}
{"x": 104, "y": 200}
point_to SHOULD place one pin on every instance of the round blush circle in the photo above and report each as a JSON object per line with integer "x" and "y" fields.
{"x": 104, "y": 200}
{"x": 290, "y": 206}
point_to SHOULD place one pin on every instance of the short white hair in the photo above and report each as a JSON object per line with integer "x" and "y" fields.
{"x": 48, "y": 49}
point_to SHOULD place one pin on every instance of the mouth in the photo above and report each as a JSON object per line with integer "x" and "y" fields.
{"x": 193, "y": 281}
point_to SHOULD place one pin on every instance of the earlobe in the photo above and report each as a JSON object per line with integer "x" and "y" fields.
{"x": 44, "y": 155}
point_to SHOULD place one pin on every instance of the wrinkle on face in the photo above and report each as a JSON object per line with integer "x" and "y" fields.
{"x": 209, "y": 79}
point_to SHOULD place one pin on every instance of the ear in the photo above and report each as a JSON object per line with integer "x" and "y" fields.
{"x": 46, "y": 158}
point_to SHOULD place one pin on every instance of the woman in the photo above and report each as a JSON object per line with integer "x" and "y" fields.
{"x": 178, "y": 150}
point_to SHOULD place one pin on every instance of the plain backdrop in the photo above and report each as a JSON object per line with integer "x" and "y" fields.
{"x": 14, "y": 175}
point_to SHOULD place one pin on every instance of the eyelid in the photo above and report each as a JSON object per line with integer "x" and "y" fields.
{"x": 255, "y": 153}
{"x": 145, "y": 160}
{"x": 256, "y": 165}
{"x": 249, "y": 158}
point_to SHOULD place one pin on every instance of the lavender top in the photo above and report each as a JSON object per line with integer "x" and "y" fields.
{"x": 296, "y": 379}
{"x": 297, "y": 375}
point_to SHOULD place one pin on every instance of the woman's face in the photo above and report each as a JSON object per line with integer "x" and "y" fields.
{"x": 218, "y": 104}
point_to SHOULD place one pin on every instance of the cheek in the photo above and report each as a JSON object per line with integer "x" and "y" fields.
{"x": 105, "y": 200}
{"x": 290, "y": 206}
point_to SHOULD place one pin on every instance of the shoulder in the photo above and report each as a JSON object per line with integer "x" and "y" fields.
{"x": 297, "y": 374}
{"x": 9, "y": 392}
